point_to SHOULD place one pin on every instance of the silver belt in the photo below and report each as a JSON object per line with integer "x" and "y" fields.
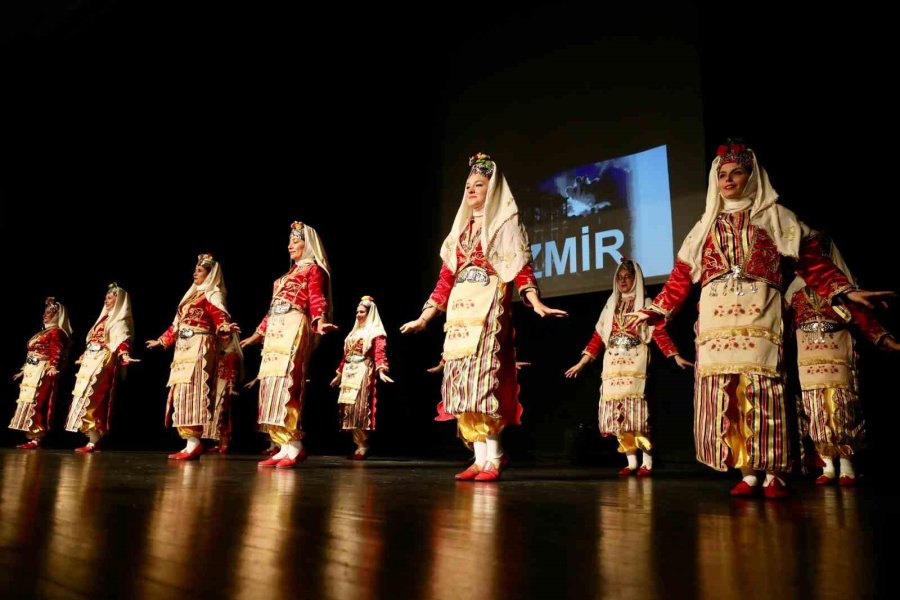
{"x": 93, "y": 347}
{"x": 185, "y": 333}
{"x": 624, "y": 342}
{"x": 355, "y": 358}
{"x": 32, "y": 359}
{"x": 473, "y": 274}
{"x": 820, "y": 326}
{"x": 280, "y": 307}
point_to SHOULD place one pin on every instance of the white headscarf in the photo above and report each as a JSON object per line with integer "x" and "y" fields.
{"x": 212, "y": 288}
{"x": 119, "y": 323}
{"x": 314, "y": 252}
{"x": 798, "y": 283}
{"x": 607, "y": 315}
{"x": 60, "y": 318}
{"x": 779, "y": 222}
{"x": 368, "y": 330}
{"x": 503, "y": 237}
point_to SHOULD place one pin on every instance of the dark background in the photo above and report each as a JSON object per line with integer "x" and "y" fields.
{"x": 136, "y": 135}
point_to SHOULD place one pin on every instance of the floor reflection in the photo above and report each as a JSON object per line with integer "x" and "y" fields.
{"x": 131, "y": 525}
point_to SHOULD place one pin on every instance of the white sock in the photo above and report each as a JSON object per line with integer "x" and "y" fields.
{"x": 828, "y": 470}
{"x": 632, "y": 460}
{"x": 480, "y": 453}
{"x": 282, "y": 453}
{"x": 749, "y": 477}
{"x": 770, "y": 477}
{"x": 293, "y": 449}
{"x": 648, "y": 461}
{"x": 93, "y": 436}
{"x": 494, "y": 449}
{"x": 192, "y": 443}
{"x": 847, "y": 468}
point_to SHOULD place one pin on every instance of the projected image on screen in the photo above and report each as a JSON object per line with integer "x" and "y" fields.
{"x": 582, "y": 221}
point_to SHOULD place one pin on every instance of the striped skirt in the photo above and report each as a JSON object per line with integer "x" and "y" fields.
{"x": 740, "y": 421}
{"x": 191, "y": 404}
{"x": 485, "y": 383}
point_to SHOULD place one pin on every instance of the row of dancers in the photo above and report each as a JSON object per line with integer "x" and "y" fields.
{"x": 737, "y": 252}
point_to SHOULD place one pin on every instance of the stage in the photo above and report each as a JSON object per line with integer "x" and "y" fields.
{"x": 135, "y": 525}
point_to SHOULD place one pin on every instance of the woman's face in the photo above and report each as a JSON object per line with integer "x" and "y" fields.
{"x": 49, "y": 313}
{"x": 200, "y": 274}
{"x": 476, "y": 191}
{"x": 296, "y": 246}
{"x": 624, "y": 280}
{"x": 732, "y": 181}
{"x": 110, "y": 300}
{"x": 361, "y": 313}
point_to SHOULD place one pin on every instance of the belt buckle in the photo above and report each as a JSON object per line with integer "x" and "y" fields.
{"x": 473, "y": 274}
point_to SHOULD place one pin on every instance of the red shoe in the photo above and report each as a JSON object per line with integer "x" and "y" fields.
{"x": 469, "y": 474}
{"x": 290, "y": 463}
{"x": 271, "y": 451}
{"x": 626, "y": 471}
{"x": 845, "y": 481}
{"x": 488, "y": 473}
{"x": 193, "y": 455}
{"x": 775, "y": 490}
{"x": 358, "y": 456}
{"x": 178, "y": 455}
{"x": 744, "y": 490}
{"x": 29, "y": 445}
{"x": 87, "y": 449}
{"x": 644, "y": 472}
{"x": 217, "y": 449}
{"x": 824, "y": 479}
{"x": 269, "y": 462}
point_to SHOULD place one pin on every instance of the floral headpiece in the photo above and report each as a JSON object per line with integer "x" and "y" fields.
{"x": 481, "y": 164}
{"x": 735, "y": 151}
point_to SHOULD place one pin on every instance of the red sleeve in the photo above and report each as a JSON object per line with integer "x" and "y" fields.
{"x": 441, "y": 294}
{"x": 594, "y": 347}
{"x": 379, "y": 344}
{"x": 318, "y": 303}
{"x": 664, "y": 341}
{"x": 819, "y": 272}
{"x": 168, "y": 338}
{"x": 674, "y": 293}
{"x": 525, "y": 281}
{"x": 261, "y": 328}
{"x": 868, "y": 324}
{"x": 124, "y": 348}
{"x": 219, "y": 317}
{"x": 57, "y": 347}
{"x": 340, "y": 368}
